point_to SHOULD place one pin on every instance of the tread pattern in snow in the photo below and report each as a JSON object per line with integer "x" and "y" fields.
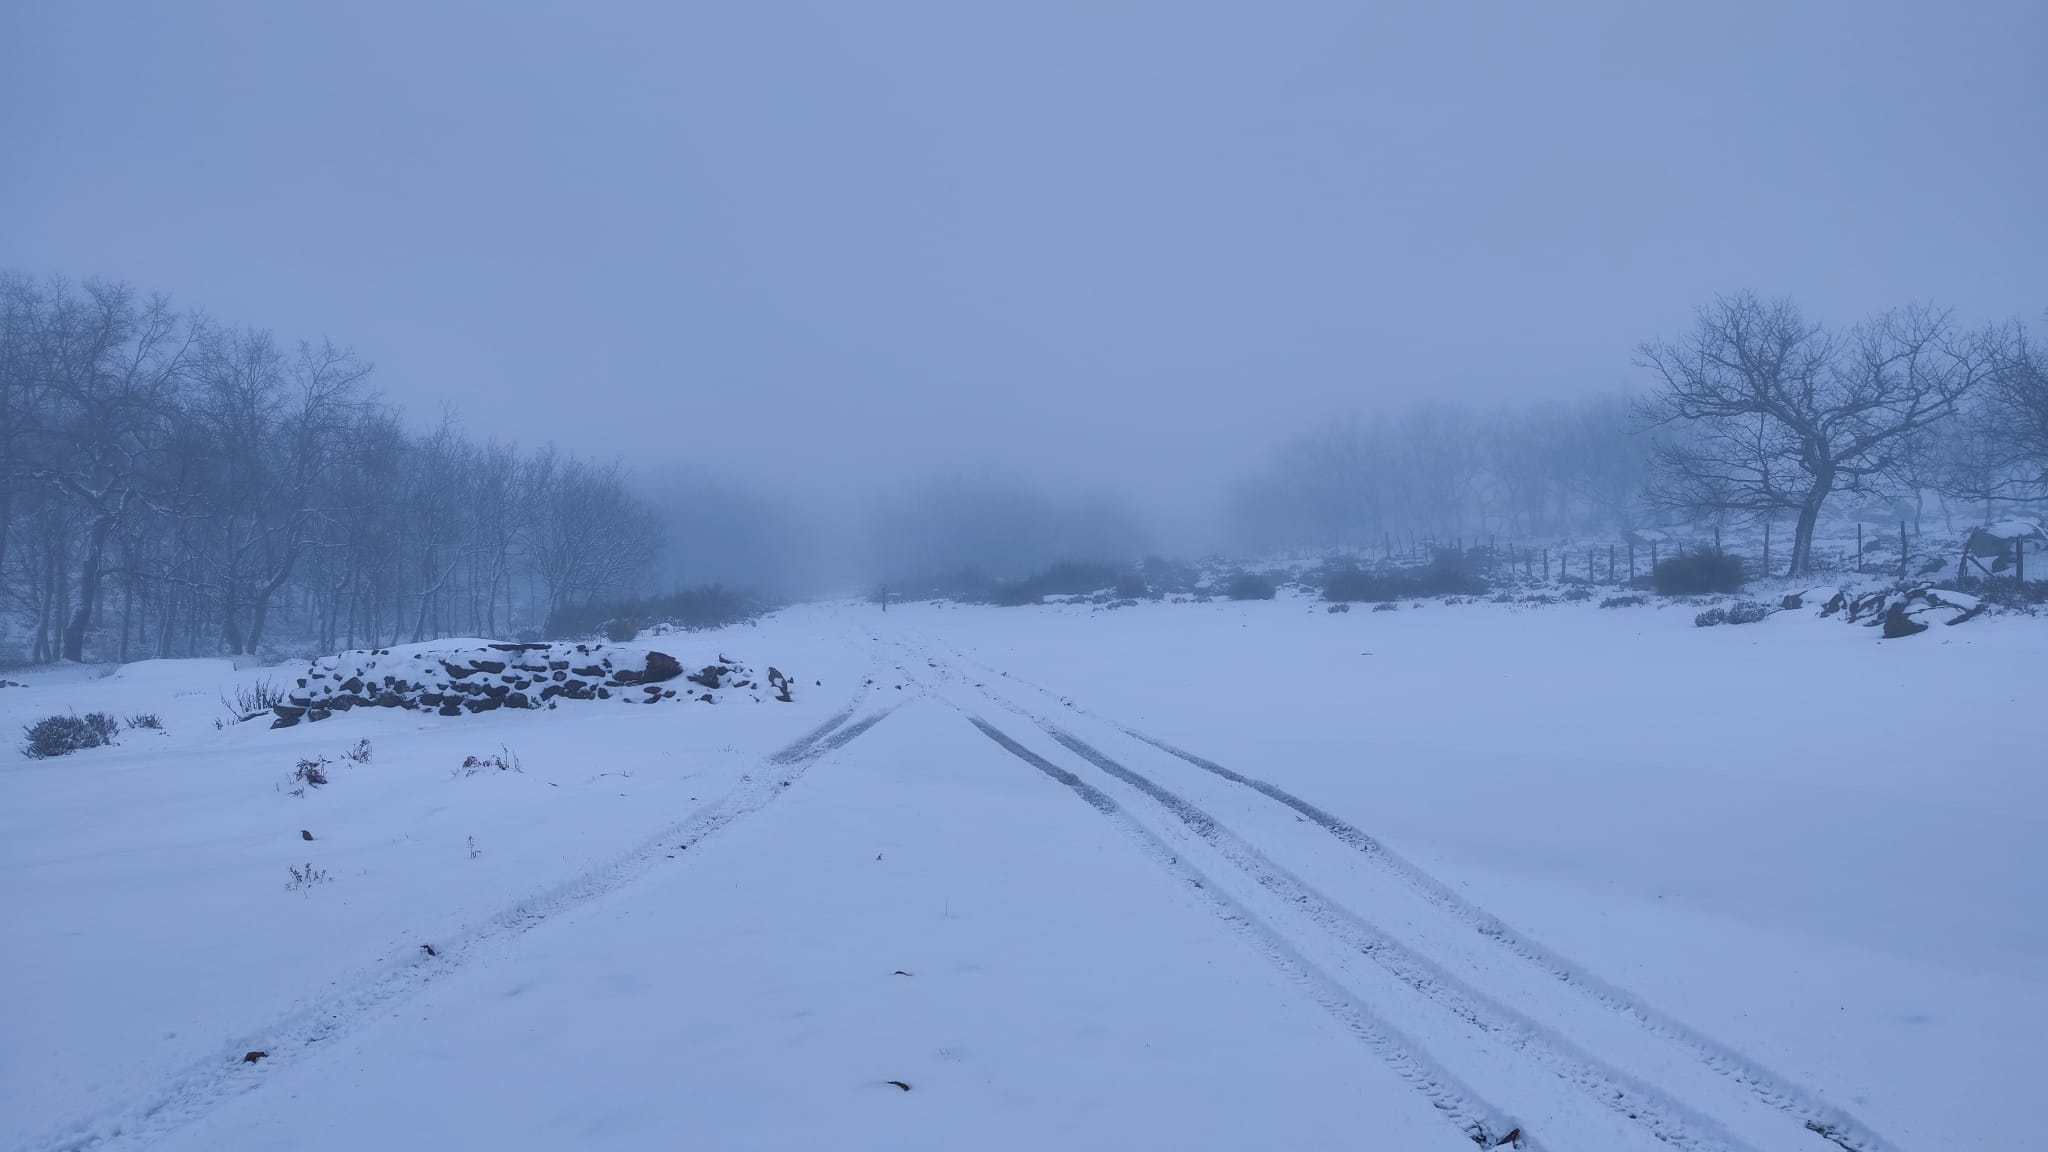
{"x": 1481, "y": 1122}
{"x": 204, "y": 1086}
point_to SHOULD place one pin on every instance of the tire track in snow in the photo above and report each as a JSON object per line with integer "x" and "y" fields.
{"x": 210, "y": 1083}
{"x": 1667, "y": 1119}
{"x": 1814, "y": 1113}
{"x": 1481, "y": 1122}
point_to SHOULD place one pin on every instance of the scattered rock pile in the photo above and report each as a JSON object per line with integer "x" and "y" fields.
{"x": 1903, "y": 611}
{"x": 453, "y": 682}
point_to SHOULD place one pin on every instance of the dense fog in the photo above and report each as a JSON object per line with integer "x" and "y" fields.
{"x": 341, "y": 336}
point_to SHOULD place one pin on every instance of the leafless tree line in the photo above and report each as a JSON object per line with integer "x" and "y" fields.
{"x": 171, "y": 485}
{"x": 1440, "y": 471}
{"x": 1756, "y": 415}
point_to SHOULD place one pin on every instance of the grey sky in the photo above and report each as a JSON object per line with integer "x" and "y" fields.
{"x": 1086, "y": 244}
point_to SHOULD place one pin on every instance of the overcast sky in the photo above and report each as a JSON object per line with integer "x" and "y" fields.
{"x": 1088, "y": 244}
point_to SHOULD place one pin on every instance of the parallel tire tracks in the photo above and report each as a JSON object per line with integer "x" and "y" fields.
{"x": 207, "y": 1084}
{"x": 1483, "y": 1123}
{"x": 1668, "y": 1119}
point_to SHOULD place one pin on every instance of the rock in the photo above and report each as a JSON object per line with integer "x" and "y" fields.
{"x": 708, "y": 675}
{"x": 517, "y": 700}
{"x": 284, "y": 721}
{"x": 1897, "y": 623}
{"x": 492, "y": 667}
{"x": 451, "y": 709}
{"x": 483, "y": 704}
{"x": 287, "y": 711}
{"x": 305, "y": 835}
{"x": 352, "y": 685}
{"x": 1791, "y": 601}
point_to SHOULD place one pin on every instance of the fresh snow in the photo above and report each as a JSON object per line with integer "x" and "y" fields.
{"x": 1180, "y": 875}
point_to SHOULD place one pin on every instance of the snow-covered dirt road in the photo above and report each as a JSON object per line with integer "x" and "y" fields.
{"x": 970, "y": 897}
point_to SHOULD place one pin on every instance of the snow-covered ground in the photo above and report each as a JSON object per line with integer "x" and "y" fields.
{"x": 1178, "y": 875}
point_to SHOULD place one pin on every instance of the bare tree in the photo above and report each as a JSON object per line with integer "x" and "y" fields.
{"x": 1769, "y": 413}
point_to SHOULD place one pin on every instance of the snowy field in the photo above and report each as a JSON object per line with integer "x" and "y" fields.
{"x": 1178, "y": 876}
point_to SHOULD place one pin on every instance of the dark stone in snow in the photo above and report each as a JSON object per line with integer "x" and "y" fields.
{"x": 352, "y": 685}
{"x": 660, "y": 666}
{"x": 485, "y": 704}
{"x": 517, "y": 700}
{"x": 451, "y": 709}
{"x": 1897, "y": 623}
{"x": 493, "y": 667}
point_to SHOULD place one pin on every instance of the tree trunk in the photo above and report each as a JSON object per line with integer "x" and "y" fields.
{"x": 88, "y": 588}
{"x": 1802, "y": 533}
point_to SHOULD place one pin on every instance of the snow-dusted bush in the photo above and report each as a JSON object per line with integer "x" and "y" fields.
{"x": 1747, "y": 612}
{"x": 1249, "y": 586}
{"x": 1697, "y": 573}
{"x": 1622, "y": 602}
{"x": 66, "y": 733}
{"x": 149, "y": 720}
{"x": 1742, "y": 612}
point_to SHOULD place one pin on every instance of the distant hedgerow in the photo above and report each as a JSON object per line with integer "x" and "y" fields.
{"x": 1697, "y": 574}
{"x": 1249, "y": 586}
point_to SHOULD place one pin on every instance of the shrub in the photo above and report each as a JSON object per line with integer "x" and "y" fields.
{"x": 149, "y": 720}
{"x": 620, "y": 629}
{"x": 1072, "y": 579}
{"x": 310, "y": 772}
{"x": 253, "y": 699}
{"x": 1014, "y": 595}
{"x": 305, "y": 877}
{"x": 67, "y": 733}
{"x": 1698, "y": 573}
{"x": 1747, "y": 612}
{"x": 1578, "y": 593}
{"x": 1249, "y": 586}
{"x": 1448, "y": 575}
{"x": 708, "y": 606}
{"x": 1623, "y": 602}
{"x": 505, "y": 760}
{"x": 1131, "y": 588}
{"x": 1710, "y": 617}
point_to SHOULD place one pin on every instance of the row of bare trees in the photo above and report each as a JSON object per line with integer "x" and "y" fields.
{"x": 1757, "y": 414}
{"x": 1438, "y": 471}
{"x": 171, "y": 485}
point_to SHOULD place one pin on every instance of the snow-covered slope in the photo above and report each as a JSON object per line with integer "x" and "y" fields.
{"x": 1199, "y": 875}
